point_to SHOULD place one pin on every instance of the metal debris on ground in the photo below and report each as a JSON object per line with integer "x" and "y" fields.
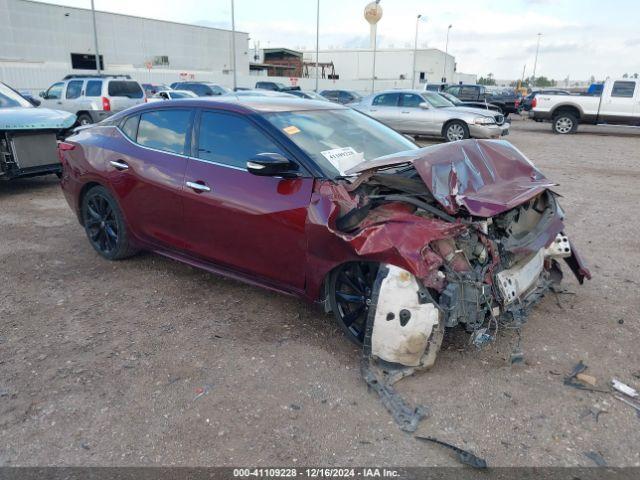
{"x": 464, "y": 456}
{"x": 630, "y": 403}
{"x": 624, "y": 388}
{"x": 572, "y": 379}
{"x": 596, "y": 457}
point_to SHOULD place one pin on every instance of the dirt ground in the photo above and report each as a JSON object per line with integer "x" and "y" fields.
{"x": 148, "y": 361}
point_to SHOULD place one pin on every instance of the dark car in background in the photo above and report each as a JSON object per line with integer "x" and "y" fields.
{"x": 29, "y": 135}
{"x": 503, "y": 98}
{"x": 459, "y": 103}
{"x": 341, "y": 96}
{"x": 201, "y": 89}
{"x": 255, "y": 189}
{"x": 525, "y": 104}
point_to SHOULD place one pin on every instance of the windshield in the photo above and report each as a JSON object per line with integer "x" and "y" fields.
{"x": 436, "y": 100}
{"x": 10, "y": 98}
{"x": 339, "y": 139}
{"x": 451, "y": 98}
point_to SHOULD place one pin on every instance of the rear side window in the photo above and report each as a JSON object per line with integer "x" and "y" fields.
{"x": 94, "y": 88}
{"x": 231, "y": 140}
{"x": 164, "y": 130}
{"x": 74, "y": 89}
{"x": 386, "y": 100}
{"x": 469, "y": 92}
{"x": 623, "y": 89}
{"x": 130, "y": 126}
{"x": 123, "y": 88}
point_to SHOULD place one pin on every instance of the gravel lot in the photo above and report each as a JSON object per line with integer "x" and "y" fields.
{"x": 149, "y": 361}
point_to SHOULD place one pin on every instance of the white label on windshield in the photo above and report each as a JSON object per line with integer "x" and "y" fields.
{"x": 343, "y": 158}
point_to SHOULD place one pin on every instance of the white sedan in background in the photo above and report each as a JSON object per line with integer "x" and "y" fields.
{"x": 171, "y": 95}
{"x": 416, "y": 112}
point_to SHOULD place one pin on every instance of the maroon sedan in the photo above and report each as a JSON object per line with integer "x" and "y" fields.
{"x": 320, "y": 201}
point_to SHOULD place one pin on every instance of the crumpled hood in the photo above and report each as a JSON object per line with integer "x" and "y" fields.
{"x": 20, "y": 118}
{"x": 486, "y": 177}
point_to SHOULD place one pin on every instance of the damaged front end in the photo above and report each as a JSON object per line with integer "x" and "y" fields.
{"x": 467, "y": 233}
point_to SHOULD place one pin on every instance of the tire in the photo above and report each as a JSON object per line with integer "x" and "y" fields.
{"x": 105, "y": 226}
{"x": 84, "y": 119}
{"x": 455, "y": 130}
{"x": 349, "y": 292}
{"x": 565, "y": 123}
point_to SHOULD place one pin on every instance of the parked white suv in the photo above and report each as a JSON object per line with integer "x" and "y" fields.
{"x": 93, "y": 97}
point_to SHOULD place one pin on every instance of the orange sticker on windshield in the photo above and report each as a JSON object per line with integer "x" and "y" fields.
{"x": 292, "y": 130}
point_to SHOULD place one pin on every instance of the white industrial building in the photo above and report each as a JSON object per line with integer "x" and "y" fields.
{"x": 394, "y": 65}
{"x": 40, "y": 43}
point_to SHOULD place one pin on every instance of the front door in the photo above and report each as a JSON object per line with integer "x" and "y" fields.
{"x": 416, "y": 119}
{"x": 53, "y": 97}
{"x": 619, "y": 102}
{"x": 249, "y": 223}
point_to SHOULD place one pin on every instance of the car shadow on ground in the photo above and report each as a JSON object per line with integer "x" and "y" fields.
{"x": 20, "y": 185}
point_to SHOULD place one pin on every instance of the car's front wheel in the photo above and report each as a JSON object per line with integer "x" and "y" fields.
{"x": 456, "y": 130}
{"x": 105, "y": 226}
{"x": 350, "y": 290}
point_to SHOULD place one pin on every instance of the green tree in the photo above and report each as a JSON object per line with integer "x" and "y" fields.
{"x": 488, "y": 80}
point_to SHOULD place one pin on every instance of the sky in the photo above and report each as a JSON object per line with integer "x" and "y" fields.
{"x": 580, "y": 38}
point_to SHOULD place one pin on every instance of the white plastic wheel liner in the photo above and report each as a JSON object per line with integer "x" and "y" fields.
{"x": 402, "y": 325}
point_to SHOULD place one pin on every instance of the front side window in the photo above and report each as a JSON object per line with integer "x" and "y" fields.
{"x": 623, "y": 89}
{"x": 94, "y": 88}
{"x": 320, "y": 132}
{"x": 386, "y": 100}
{"x": 164, "y": 130}
{"x": 231, "y": 140}
{"x": 74, "y": 89}
{"x": 411, "y": 100}
{"x": 55, "y": 91}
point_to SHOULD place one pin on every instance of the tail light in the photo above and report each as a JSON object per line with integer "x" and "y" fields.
{"x": 106, "y": 104}
{"x": 534, "y": 102}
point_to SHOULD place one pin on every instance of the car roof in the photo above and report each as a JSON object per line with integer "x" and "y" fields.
{"x": 246, "y": 104}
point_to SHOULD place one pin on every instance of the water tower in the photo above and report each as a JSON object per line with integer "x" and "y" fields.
{"x": 373, "y": 14}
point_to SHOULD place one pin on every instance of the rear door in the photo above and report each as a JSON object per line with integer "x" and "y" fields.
{"x": 146, "y": 169}
{"x": 233, "y": 218}
{"x": 124, "y": 94}
{"x": 619, "y": 102}
{"x": 384, "y": 107}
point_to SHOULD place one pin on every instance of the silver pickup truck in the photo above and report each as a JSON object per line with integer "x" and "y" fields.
{"x": 619, "y": 104}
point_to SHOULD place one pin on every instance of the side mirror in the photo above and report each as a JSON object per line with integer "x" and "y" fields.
{"x": 424, "y": 105}
{"x": 42, "y": 94}
{"x": 272, "y": 165}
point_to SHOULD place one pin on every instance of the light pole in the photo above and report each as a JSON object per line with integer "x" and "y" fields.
{"x": 446, "y": 55}
{"x": 95, "y": 37}
{"x": 373, "y": 14}
{"x": 233, "y": 47}
{"x": 317, "y": 41}
{"x": 415, "y": 52}
{"x": 535, "y": 62}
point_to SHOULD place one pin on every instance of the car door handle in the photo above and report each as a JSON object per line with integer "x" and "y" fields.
{"x": 198, "y": 187}
{"x": 405, "y": 111}
{"x": 119, "y": 164}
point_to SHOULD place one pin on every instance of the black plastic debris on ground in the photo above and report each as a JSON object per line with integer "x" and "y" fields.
{"x": 464, "y": 456}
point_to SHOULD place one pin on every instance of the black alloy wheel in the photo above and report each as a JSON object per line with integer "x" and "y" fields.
{"x": 350, "y": 290}
{"x": 104, "y": 225}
